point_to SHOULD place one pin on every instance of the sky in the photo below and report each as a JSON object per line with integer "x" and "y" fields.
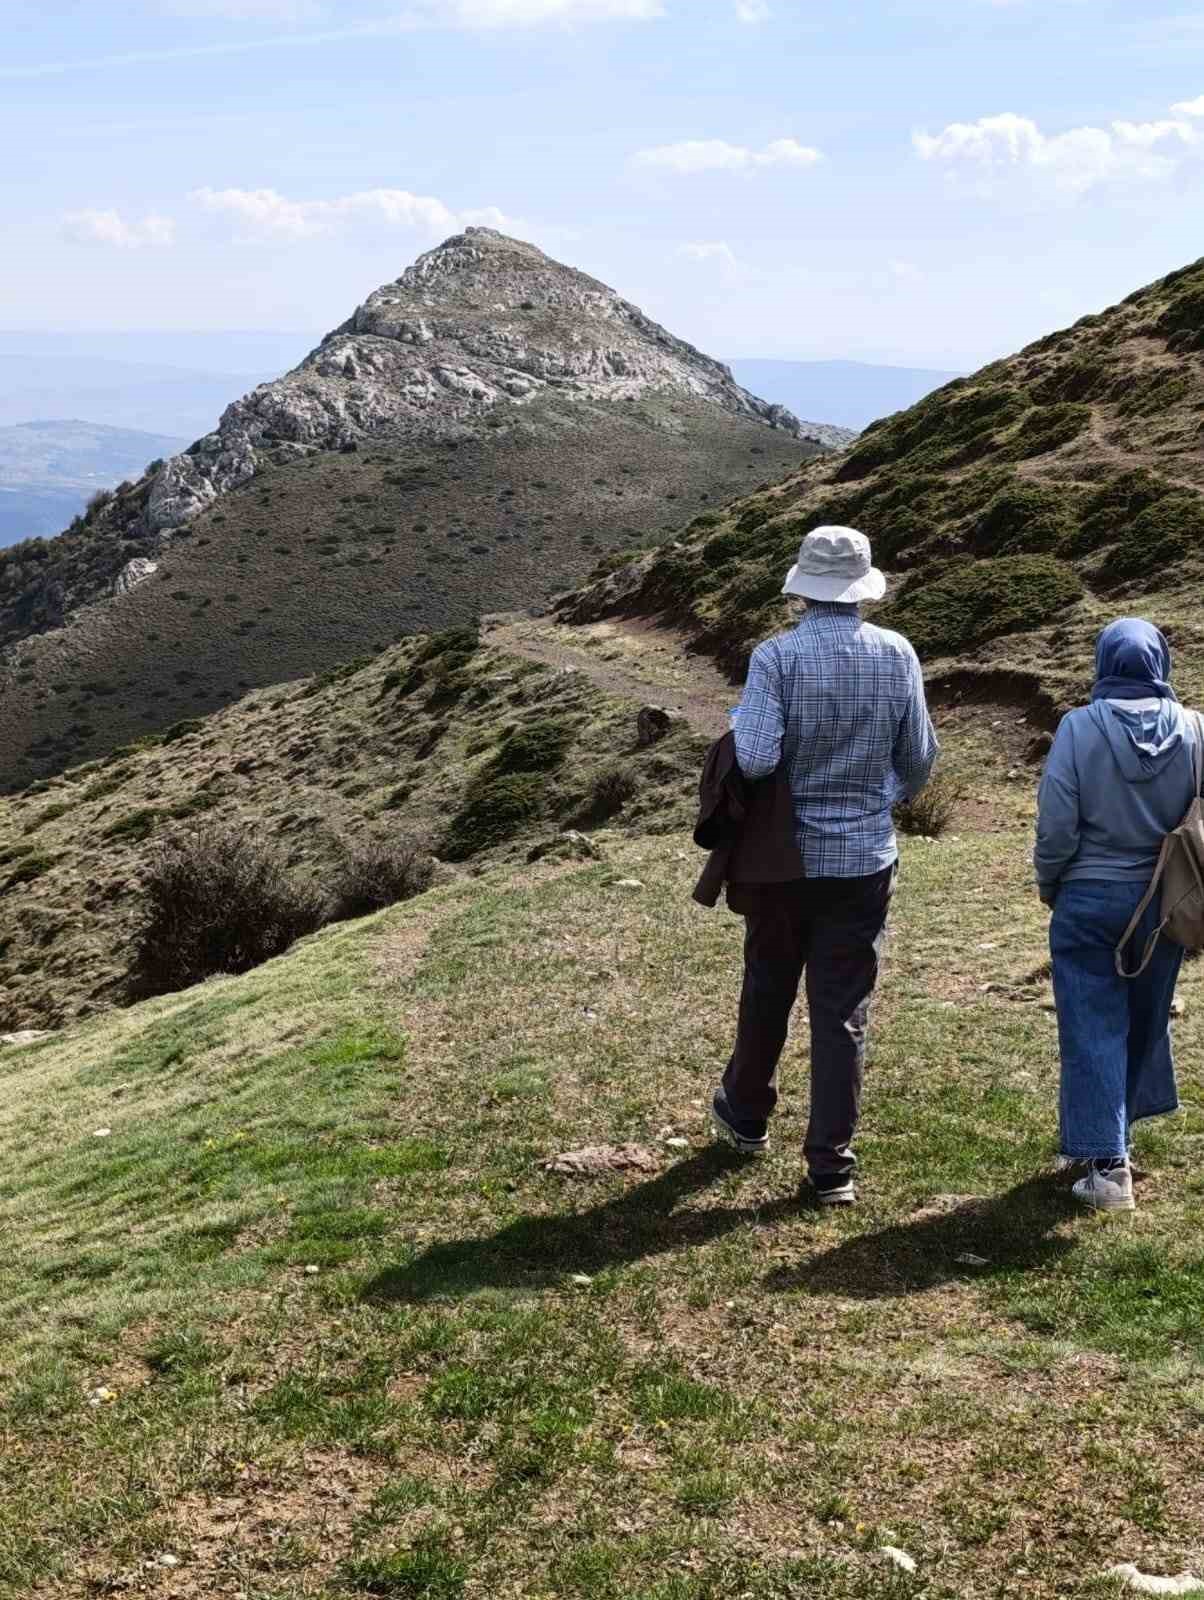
{"x": 925, "y": 182}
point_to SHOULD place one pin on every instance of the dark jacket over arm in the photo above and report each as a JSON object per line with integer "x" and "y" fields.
{"x": 748, "y": 827}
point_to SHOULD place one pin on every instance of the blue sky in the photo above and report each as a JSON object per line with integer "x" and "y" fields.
{"x": 930, "y": 182}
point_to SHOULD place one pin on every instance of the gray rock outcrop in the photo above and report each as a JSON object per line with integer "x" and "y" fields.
{"x": 480, "y": 323}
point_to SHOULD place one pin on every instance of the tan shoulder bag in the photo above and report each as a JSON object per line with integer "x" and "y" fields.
{"x": 1180, "y": 871}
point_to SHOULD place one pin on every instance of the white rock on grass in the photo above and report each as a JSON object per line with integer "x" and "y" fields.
{"x": 898, "y": 1558}
{"x": 1146, "y": 1583}
{"x": 628, "y": 883}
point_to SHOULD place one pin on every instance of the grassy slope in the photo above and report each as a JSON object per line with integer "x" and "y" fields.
{"x": 319, "y": 561}
{"x": 389, "y": 744}
{"x": 744, "y": 1397}
{"x": 1016, "y": 508}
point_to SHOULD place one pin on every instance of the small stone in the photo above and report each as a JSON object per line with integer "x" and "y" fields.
{"x": 581, "y": 1279}
{"x": 629, "y": 883}
{"x": 102, "y": 1133}
{"x": 653, "y": 722}
{"x": 311, "y": 1271}
{"x": 168, "y": 1560}
{"x": 969, "y": 1259}
{"x": 898, "y": 1558}
{"x": 677, "y": 1143}
{"x": 1178, "y": 1007}
{"x": 598, "y": 1160}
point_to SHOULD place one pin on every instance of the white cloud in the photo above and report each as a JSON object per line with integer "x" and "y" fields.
{"x": 267, "y": 212}
{"x": 1190, "y": 108}
{"x": 717, "y": 155}
{"x": 1076, "y": 160}
{"x": 111, "y": 228}
{"x": 752, "y": 11}
{"x": 709, "y": 250}
{"x": 904, "y": 271}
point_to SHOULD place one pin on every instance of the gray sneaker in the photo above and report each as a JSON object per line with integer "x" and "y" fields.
{"x": 1106, "y": 1187}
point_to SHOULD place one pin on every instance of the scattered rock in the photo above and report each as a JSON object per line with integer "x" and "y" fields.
{"x": 102, "y": 1133}
{"x": 581, "y": 1279}
{"x": 1038, "y": 747}
{"x": 25, "y": 1036}
{"x": 898, "y": 1558}
{"x": 628, "y": 883}
{"x": 1146, "y": 1583}
{"x": 133, "y": 573}
{"x": 599, "y": 1160}
{"x": 677, "y": 1143}
{"x": 102, "y": 1395}
{"x": 653, "y": 723}
{"x": 969, "y": 1259}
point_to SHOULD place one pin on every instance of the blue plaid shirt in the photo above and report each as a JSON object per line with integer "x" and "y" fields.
{"x": 839, "y": 706}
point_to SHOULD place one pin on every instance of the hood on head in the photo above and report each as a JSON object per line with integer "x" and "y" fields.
{"x": 1132, "y": 655}
{"x": 1143, "y": 743}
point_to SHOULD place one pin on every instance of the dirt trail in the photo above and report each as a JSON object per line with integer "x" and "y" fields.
{"x": 634, "y": 661}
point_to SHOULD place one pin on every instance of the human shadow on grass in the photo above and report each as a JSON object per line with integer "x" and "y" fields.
{"x": 1015, "y": 1230}
{"x": 532, "y": 1251}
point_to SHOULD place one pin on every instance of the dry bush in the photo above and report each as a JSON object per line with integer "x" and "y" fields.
{"x": 933, "y": 810}
{"x": 375, "y": 871}
{"x": 215, "y": 902}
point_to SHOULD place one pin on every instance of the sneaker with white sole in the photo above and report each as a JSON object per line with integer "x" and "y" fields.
{"x": 833, "y": 1189}
{"x": 1107, "y": 1187}
{"x": 748, "y": 1137}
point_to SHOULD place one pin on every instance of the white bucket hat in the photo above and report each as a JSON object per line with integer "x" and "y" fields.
{"x": 834, "y": 564}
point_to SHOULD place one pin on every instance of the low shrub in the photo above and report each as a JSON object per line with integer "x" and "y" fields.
{"x": 1163, "y": 535}
{"x": 607, "y": 794}
{"x": 30, "y": 868}
{"x": 1115, "y": 505}
{"x": 59, "y": 809}
{"x": 979, "y": 600}
{"x": 1047, "y": 428}
{"x": 1025, "y": 518}
{"x": 377, "y": 871}
{"x": 932, "y": 811}
{"x": 221, "y": 901}
{"x": 133, "y": 827}
{"x": 538, "y": 746}
{"x": 492, "y": 813}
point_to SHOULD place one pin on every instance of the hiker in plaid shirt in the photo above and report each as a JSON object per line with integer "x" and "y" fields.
{"x": 838, "y": 707}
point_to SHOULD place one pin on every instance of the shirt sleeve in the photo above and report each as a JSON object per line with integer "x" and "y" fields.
{"x": 762, "y": 719}
{"x": 1058, "y": 815}
{"x": 916, "y": 746}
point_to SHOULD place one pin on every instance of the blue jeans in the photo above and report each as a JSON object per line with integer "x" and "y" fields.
{"x": 1114, "y": 1034}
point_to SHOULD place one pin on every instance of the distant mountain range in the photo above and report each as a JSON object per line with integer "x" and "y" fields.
{"x": 50, "y": 470}
{"x": 850, "y": 394}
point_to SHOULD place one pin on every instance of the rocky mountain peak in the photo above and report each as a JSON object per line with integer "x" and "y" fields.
{"x": 480, "y": 324}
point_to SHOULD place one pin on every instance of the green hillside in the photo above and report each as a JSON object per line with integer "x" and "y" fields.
{"x": 1012, "y": 508}
{"x": 321, "y": 560}
{"x": 291, "y": 1307}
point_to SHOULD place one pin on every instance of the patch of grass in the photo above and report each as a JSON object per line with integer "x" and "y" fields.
{"x": 538, "y": 746}
{"x": 428, "y": 1571}
{"x": 1048, "y": 428}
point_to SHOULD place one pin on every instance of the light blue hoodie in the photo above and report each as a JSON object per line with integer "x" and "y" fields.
{"x": 1118, "y": 779}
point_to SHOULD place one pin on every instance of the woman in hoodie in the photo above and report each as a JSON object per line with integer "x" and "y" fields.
{"x": 1120, "y": 776}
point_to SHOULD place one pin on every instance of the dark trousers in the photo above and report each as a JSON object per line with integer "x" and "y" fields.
{"x": 834, "y": 928}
